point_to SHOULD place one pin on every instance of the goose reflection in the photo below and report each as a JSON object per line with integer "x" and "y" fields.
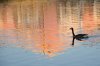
{"x": 79, "y": 37}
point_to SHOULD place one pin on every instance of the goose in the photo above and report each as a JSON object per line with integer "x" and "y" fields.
{"x": 79, "y": 37}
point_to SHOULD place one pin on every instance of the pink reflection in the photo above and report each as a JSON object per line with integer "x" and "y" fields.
{"x": 89, "y": 24}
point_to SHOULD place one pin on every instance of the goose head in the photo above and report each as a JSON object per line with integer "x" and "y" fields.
{"x": 71, "y": 28}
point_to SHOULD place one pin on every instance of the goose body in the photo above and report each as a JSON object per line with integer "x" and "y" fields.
{"x": 81, "y": 36}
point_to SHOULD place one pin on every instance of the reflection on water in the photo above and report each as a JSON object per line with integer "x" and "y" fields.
{"x": 43, "y": 26}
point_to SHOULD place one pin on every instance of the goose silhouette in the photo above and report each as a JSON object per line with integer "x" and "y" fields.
{"x": 79, "y": 37}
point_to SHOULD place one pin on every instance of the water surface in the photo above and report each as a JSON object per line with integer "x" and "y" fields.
{"x": 37, "y": 33}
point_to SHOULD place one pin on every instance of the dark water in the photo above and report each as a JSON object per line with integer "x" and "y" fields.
{"x": 37, "y": 33}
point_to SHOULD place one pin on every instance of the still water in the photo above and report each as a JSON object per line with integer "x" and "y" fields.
{"x": 37, "y": 33}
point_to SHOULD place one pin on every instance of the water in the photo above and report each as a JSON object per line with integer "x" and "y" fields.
{"x": 38, "y": 33}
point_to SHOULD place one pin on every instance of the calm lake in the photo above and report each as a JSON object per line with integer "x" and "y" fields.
{"x": 37, "y": 33}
